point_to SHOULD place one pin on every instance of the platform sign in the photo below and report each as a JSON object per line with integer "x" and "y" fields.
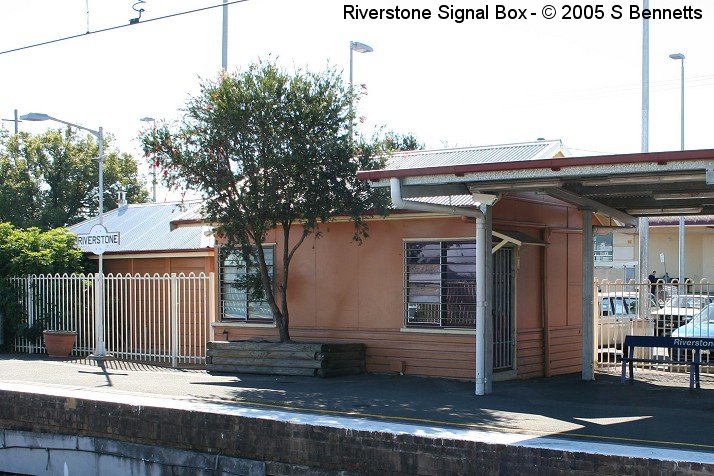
{"x": 98, "y": 240}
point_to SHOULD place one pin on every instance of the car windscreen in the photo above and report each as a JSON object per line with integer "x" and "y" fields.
{"x": 691, "y": 302}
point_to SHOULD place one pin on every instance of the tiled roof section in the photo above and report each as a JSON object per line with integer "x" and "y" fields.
{"x": 542, "y": 149}
{"x": 147, "y": 227}
{"x": 693, "y": 220}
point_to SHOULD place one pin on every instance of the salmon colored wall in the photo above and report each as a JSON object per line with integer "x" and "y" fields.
{"x": 341, "y": 292}
{"x": 183, "y": 264}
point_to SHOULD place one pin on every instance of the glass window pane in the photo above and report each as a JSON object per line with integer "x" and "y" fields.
{"x": 440, "y": 280}
{"x": 235, "y": 301}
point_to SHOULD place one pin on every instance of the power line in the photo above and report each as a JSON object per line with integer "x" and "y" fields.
{"x": 103, "y": 30}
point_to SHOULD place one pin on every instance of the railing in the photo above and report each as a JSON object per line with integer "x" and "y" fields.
{"x": 670, "y": 309}
{"x": 160, "y": 318}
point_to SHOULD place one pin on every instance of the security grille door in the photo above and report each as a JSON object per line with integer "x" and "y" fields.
{"x": 503, "y": 309}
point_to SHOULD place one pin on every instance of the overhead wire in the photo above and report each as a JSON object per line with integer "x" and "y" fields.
{"x": 104, "y": 30}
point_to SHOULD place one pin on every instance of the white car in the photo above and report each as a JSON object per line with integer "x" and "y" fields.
{"x": 679, "y": 310}
{"x": 701, "y": 325}
{"x": 619, "y": 316}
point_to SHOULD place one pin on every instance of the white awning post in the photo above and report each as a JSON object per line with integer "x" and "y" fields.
{"x": 488, "y": 294}
{"x": 588, "y": 297}
{"x": 481, "y": 251}
{"x": 482, "y": 246}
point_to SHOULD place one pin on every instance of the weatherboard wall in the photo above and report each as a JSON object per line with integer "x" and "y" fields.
{"x": 340, "y": 291}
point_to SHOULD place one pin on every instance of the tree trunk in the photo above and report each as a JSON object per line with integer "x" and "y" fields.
{"x": 283, "y": 330}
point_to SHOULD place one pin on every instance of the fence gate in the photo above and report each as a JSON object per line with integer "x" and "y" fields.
{"x": 147, "y": 318}
{"x": 503, "y": 309}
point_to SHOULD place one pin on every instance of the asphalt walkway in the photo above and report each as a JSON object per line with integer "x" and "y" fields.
{"x": 658, "y": 415}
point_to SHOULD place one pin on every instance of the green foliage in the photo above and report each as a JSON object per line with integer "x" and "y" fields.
{"x": 51, "y": 180}
{"x": 270, "y": 150}
{"x": 32, "y": 251}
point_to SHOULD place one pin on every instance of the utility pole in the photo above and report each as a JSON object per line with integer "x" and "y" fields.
{"x": 224, "y": 43}
{"x": 16, "y": 120}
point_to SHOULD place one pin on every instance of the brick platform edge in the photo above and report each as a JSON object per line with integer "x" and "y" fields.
{"x": 291, "y": 448}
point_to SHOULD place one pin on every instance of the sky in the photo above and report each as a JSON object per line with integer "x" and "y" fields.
{"x": 450, "y": 84}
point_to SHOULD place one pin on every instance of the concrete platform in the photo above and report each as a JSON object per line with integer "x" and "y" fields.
{"x": 658, "y": 417}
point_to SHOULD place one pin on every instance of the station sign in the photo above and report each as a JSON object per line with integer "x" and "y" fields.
{"x": 98, "y": 240}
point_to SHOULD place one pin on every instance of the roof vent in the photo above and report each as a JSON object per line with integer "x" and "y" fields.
{"x": 121, "y": 198}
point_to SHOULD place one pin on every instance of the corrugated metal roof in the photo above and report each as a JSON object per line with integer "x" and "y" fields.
{"x": 193, "y": 213}
{"x": 448, "y": 200}
{"x": 147, "y": 227}
{"x": 692, "y": 220}
{"x": 476, "y": 155}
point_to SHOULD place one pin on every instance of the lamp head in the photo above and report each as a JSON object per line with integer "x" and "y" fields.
{"x": 360, "y": 47}
{"x": 677, "y": 56}
{"x": 35, "y": 116}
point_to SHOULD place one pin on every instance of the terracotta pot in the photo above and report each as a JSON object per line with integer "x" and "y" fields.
{"x": 59, "y": 343}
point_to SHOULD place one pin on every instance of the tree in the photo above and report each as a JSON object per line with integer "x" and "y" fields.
{"x": 51, "y": 180}
{"x": 27, "y": 252}
{"x": 269, "y": 150}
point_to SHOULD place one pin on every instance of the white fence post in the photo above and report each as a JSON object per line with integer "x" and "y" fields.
{"x": 174, "y": 320}
{"x": 212, "y": 316}
{"x": 30, "y": 311}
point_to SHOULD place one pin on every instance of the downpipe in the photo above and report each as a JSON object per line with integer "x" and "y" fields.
{"x": 402, "y": 204}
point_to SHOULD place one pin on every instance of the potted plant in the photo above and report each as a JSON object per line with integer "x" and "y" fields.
{"x": 59, "y": 343}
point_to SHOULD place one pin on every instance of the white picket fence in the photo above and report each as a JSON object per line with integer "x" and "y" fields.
{"x": 149, "y": 318}
{"x": 651, "y": 309}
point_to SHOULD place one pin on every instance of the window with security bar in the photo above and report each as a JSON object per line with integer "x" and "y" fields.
{"x": 440, "y": 283}
{"x": 237, "y": 301}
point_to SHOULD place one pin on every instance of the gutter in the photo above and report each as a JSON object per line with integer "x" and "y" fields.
{"x": 660, "y": 158}
{"x": 401, "y": 203}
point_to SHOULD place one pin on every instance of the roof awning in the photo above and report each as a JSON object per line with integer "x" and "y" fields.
{"x": 623, "y": 187}
{"x": 517, "y": 238}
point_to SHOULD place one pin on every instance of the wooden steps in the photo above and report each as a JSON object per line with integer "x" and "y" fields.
{"x": 293, "y": 358}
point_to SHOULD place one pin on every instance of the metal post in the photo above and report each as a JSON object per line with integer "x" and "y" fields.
{"x": 488, "y": 306}
{"x": 350, "y": 90}
{"x": 100, "y": 138}
{"x": 680, "y": 270}
{"x": 645, "y": 79}
{"x": 100, "y": 351}
{"x": 224, "y": 48}
{"x": 212, "y": 298}
{"x": 481, "y": 250}
{"x": 153, "y": 182}
{"x": 588, "y": 297}
{"x": 643, "y": 224}
{"x": 30, "y": 310}
{"x": 174, "y": 320}
{"x": 682, "y": 244}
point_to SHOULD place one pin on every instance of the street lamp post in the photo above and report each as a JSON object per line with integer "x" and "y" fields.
{"x": 153, "y": 164}
{"x": 100, "y": 351}
{"x": 359, "y": 48}
{"x": 680, "y": 57}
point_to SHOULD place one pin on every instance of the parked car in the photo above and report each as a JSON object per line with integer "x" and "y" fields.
{"x": 701, "y": 325}
{"x": 619, "y": 316}
{"x": 678, "y": 311}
